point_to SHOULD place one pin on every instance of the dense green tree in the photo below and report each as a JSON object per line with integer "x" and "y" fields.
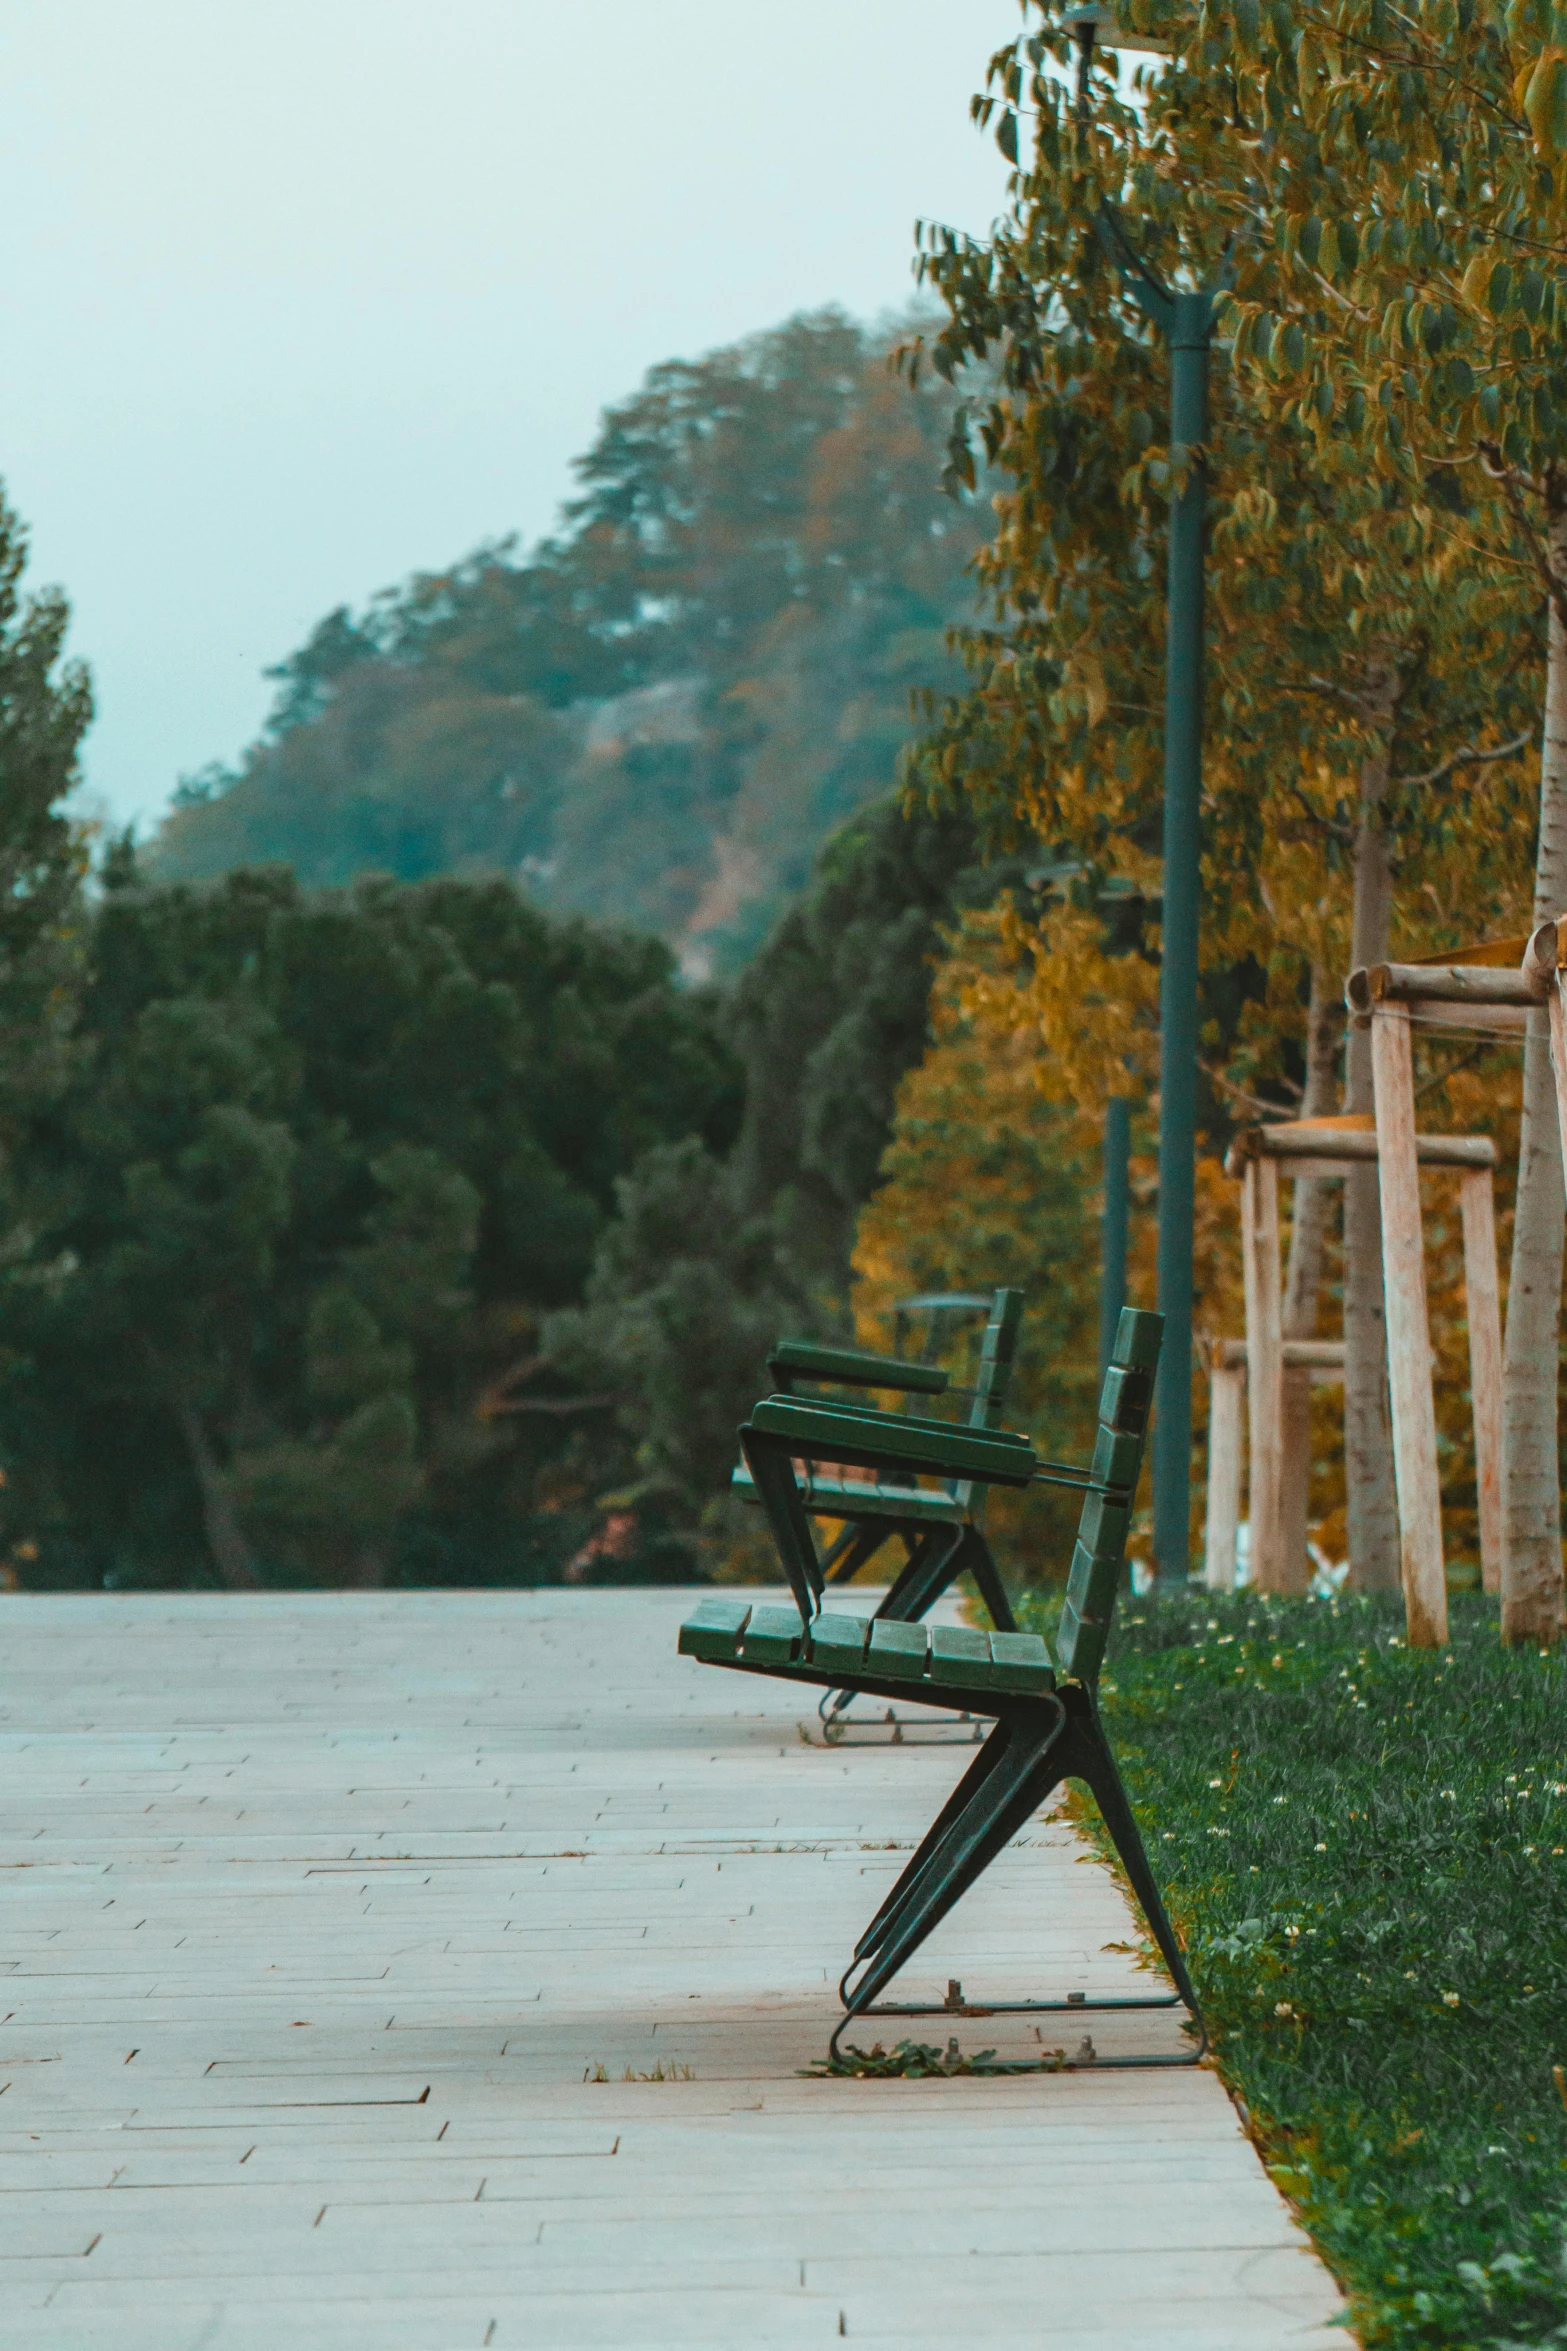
{"x": 686, "y": 1296}
{"x": 834, "y": 1009}
{"x": 45, "y": 709}
{"x": 283, "y": 1239}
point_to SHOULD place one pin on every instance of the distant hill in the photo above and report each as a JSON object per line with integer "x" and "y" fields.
{"x": 657, "y": 716}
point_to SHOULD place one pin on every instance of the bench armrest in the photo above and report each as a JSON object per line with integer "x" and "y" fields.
{"x": 852, "y": 1367}
{"x": 891, "y": 1440}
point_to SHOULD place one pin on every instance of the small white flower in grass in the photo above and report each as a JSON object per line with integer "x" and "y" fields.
{"x": 1451, "y": 1999}
{"x": 1216, "y": 1783}
{"x": 1321, "y": 1848}
{"x": 1280, "y": 1799}
{"x": 1531, "y": 1848}
{"x": 1282, "y": 2008}
{"x": 1292, "y": 1932}
{"x": 1410, "y": 1976}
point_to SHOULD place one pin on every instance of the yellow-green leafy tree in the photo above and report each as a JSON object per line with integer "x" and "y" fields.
{"x": 1360, "y": 786}
{"x": 1393, "y": 186}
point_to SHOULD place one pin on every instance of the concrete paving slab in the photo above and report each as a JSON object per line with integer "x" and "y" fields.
{"x": 341, "y": 1930}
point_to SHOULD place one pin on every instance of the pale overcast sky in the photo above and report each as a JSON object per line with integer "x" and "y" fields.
{"x": 302, "y": 295}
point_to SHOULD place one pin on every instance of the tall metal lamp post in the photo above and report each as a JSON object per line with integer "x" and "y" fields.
{"x": 1186, "y": 320}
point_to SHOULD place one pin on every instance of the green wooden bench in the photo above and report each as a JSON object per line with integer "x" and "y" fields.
{"x": 1044, "y": 1708}
{"x": 941, "y": 1529}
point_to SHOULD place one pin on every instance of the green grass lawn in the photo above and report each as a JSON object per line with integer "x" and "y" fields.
{"x": 1365, "y": 1849}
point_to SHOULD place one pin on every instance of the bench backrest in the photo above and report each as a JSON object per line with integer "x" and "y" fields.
{"x": 997, "y": 1354}
{"x": 854, "y": 1367}
{"x": 1125, "y": 1401}
{"x": 794, "y": 1359}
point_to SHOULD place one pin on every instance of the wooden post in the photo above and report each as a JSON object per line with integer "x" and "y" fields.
{"x": 1408, "y": 1331}
{"x": 1542, "y": 973}
{"x": 1225, "y": 1385}
{"x": 1265, "y": 1368}
{"x": 1558, "y": 1018}
{"x": 1482, "y": 1306}
{"x": 1294, "y": 1477}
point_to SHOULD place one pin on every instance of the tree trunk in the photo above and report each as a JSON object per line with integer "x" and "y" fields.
{"x": 1368, "y": 1427}
{"x": 1532, "y": 1595}
{"x": 1303, "y": 1289}
{"x": 230, "y": 1551}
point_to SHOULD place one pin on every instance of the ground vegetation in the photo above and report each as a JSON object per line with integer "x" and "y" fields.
{"x": 1365, "y": 1852}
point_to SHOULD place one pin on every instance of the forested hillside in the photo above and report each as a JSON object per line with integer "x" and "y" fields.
{"x": 656, "y": 717}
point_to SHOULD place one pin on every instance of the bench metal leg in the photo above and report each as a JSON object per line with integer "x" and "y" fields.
{"x": 1020, "y": 1766}
{"x": 1085, "y": 1755}
{"x": 934, "y": 1566}
{"x": 772, "y": 1474}
{"x": 992, "y": 1590}
{"x": 852, "y": 1549}
{"x": 990, "y": 1820}
{"x": 967, "y": 1789}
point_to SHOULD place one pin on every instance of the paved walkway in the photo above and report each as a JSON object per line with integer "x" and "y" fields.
{"x": 318, "y": 1911}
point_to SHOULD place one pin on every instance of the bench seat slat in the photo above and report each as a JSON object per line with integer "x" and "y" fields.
{"x": 961, "y": 1655}
{"x": 1021, "y": 1661}
{"x": 837, "y": 1643}
{"x": 713, "y": 1629}
{"x": 942, "y": 1657}
{"x": 897, "y": 1649}
{"x": 773, "y": 1636}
